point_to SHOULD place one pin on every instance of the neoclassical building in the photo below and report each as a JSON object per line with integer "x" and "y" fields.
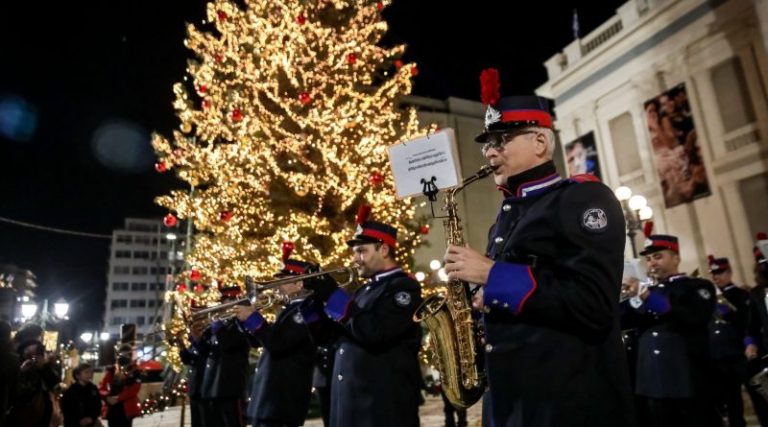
{"x": 673, "y": 93}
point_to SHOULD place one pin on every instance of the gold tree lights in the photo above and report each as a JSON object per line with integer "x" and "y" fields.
{"x": 286, "y": 114}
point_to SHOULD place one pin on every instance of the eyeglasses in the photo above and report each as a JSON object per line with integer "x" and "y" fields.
{"x": 498, "y": 141}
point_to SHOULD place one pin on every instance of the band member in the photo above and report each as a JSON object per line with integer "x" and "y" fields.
{"x": 727, "y": 331}
{"x": 195, "y": 357}
{"x": 226, "y": 369}
{"x": 673, "y": 364}
{"x": 376, "y": 376}
{"x": 757, "y": 332}
{"x": 322, "y": 380}
{"x": 551, "y": 281}
{"x": 282, "y": 385}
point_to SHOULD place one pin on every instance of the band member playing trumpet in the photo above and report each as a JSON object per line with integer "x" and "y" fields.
{"x": 551, "y": 276}
{"x": 727, "y": 332}
{"x": 226, "y": 369}
{"x": 673, "y": 366}
{"x": 282, "y": 385}
{"x": 195, "y": 357}
{"x": 376, "y": 376}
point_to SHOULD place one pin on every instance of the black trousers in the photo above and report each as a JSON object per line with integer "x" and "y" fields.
{"x": 727, "y": 377}
{"x": 449, "y": 411}
{"x": 324, "y": 395}
{"x": 264, "y": 423}
{"x": 223, "y": 413}
{"x": 682, "y": 413}
{"x": 116, "y": 416}
{"x": 197, "y": 412}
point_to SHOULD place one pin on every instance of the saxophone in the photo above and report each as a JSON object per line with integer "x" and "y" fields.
{"x": 449, "y": 320}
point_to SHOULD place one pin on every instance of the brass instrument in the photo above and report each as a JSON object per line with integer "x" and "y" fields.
{"x": 449, "y": 319}
{"x": 760, "y": 382}
{"x": 350, "y": 271}
{"x": 226, "y": 311}
{"x": 645, "y": 284}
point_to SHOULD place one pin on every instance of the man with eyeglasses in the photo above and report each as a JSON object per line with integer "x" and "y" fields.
{"x": 551, "y": 277}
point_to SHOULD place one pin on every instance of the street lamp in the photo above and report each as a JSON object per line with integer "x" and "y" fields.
{"x": 86, "y": 337}
{"x": 28, "y": 310}
{"x": 60, "y": 308}
{"x": 104, "y": 336}
{"x": 636, "y": 210}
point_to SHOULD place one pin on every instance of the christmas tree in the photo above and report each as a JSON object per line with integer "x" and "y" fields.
{"x": 286, "y": 115}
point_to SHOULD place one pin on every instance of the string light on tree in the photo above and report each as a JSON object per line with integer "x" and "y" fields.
{"x": 289, "y": 119}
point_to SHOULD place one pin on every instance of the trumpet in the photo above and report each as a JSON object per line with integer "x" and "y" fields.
{"x": 226, "y": 311}
{"x": 645, "y": 284}
{"x": 350, "y": 271}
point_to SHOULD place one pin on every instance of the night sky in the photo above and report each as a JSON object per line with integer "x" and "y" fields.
{"x": 71, "y": 76}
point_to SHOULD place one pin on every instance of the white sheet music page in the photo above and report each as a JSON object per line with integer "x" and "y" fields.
{"x": 432, "y": 158}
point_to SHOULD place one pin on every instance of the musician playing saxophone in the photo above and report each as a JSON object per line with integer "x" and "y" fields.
{"x": 551, "y": 277}
{"x": 282, "y": 385}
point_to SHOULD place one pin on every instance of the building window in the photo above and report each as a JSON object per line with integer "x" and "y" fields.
{"x": 119, "y": 303}
{"x": 138, "y": 286}
{"x": 147, "y": 228}
{"x": 124, "y": 238}
{"x": 136, "y": 303}
{"x": 752, "y": 191}
{"x": 140, "y": 270}
{"x": 122, "y": 254}
{"x": 142, "y": 240}
{"x": 624, "y": 142}
{"x": 141, "y": 254}
{"x": 140, "y": 320}
{"x": 121, "y": 269}
{"x": 732, "y": 95}
{"x": 117, "y": 320}
{"x": 120, "y": 286}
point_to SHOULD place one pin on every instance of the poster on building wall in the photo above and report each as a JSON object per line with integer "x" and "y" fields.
{"x": 675, "y": 147}
{"x": 581, "y": 156}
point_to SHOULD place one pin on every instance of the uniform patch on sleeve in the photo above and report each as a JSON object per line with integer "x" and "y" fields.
{"x": 298, "y": 318}
{"x": 402, "y": 298}
{"x": 704, "y": 293}
{"x": 594, "y": 220}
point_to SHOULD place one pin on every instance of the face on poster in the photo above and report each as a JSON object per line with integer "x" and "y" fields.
{"x": 581, "y": 156}
{"x": 675, "y": 147}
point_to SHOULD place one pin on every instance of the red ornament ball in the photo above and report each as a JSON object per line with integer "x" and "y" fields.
{"x": 202, "y": 89}
{"x": 206, "y": 104}
{"x": 194, "y": 274}
{"x": 304, "y": 98}
{"x": 424, "y": 229}
{"x": 170, "y": 220}
{"x": 376, "y": 178}
{"x": 218, "y": 58}
{"x": 237, "y": 115}
{"x": 225, "y": 216}
{"x": 301, "y": 19}
{"x": 161, "y": 167}
{"x": 199, "y": 289}
{"x": 380, "y": 5}
{"x": 398, "y": 64}
{"x": 222, "y": 15}
{"x": 351, "y": 59}
{"x": 181, "y": 287}
{"x": 415, "y": 71}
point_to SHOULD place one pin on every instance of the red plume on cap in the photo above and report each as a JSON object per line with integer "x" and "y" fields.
{"x": 489, "y": 86}
{"x": 648, "y": 228}
{"x": 711, "y": 259}
{"x": 762, "y": 236}
{"x": 362, "y": 214}
{"x": 288, "y": 248}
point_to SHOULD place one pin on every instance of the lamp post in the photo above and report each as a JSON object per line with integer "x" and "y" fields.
{"x": 60, "y": 310}
{"x": 636, "y": 210}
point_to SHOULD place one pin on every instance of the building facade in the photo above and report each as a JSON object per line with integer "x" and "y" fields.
{"x": 142, "y": 261}
{"x": 673, "y": 94}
